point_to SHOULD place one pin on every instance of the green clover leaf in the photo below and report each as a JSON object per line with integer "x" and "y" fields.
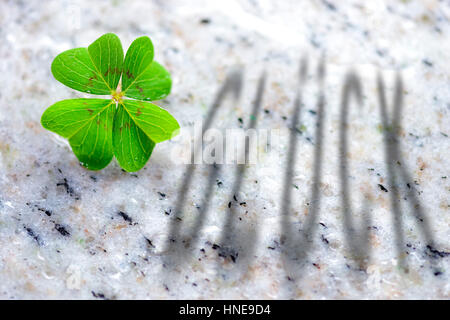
{"x": 98, "y": 129}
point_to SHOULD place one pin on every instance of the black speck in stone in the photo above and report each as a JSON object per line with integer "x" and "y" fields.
{"x": 68, "y": 188}
{"x": 32, "y": 234}
{"x": 436, "y": 253}
{"x": 47, "y": 212}
{"x": 149, "y": 243}
{"x": 163, "y": 195}
{"x": 61, "y": 229}
{"x": 314, "y": 42}
{"x": 205, "y": 21}
{"x": 228, "y": 252}
{"x": 125, "y": 217}
{"x": 382, "y": 188}
{"x": 329, "y": 5}
{"x": 427, "y": 63}
{"x": 99, "y": 295}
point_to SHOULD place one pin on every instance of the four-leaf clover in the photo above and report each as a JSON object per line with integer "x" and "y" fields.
{"x": 97, "y": 129}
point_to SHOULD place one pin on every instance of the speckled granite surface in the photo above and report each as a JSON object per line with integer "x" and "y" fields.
{"x": 69, "y": 233}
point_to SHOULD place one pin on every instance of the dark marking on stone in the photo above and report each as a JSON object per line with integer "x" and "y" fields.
{"x": 427, "y": 63}
{"x": 47, "y": 212}
{"x": 149, "y": 243}
{"x": 329, "y": 5}
{"x": 382, "y": 188}
{"x": 61, "y": 229}
{"x": 32, "y": 234}
{"x": 125, "y": 217}
{"x": 436, "y": 253}
{"x": 69, "y": 189}
{"x": 99, "y": 295}
{"x": 163, "y": 195}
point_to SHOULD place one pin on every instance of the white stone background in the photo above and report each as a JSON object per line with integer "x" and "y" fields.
{"x": 105, "y": 257}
